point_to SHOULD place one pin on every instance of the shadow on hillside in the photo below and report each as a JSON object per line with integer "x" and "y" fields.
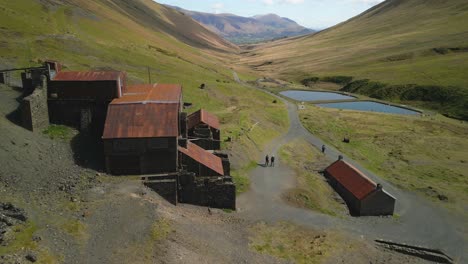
{"x": 88, "y": 150}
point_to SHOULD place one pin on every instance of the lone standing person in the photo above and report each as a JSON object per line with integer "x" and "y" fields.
{"x": 272, "y": 161}
{"x": 267, "y": 160}
{"x": 323, "y": 148}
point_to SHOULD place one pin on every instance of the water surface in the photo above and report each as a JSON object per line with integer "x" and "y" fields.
{"x": 308, "y": 96}
{"x": 371, "y": 107}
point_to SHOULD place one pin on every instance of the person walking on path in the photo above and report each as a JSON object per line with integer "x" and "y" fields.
{"x": 323, "y": 149}
{"x": 267, "y": 161}
{"x": 272, "y": 161}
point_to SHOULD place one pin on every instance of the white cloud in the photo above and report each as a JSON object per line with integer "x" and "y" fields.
{"x": 217, "y": 7}
{"x": 366, "y": 2}
{"x": 292, "y": 1}
{"x": 273, "y": 2}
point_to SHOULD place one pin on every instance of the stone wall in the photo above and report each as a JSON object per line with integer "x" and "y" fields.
{"x": 165, "y": 188}
{"x": 33, "y": 108}
{"x": 219, "y": 192}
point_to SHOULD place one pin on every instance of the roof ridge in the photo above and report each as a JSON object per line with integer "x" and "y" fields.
{"x": 359, "y": 172}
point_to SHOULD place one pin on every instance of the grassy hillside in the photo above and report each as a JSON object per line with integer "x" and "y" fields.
{"x": 395, "y": 43}
{"x": 426, "y": 155}
{"x": 134, "y": 35}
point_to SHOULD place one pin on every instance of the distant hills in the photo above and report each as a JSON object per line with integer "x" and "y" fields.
{"x": 240, "y": 30}
{"x": 407, "y": 51}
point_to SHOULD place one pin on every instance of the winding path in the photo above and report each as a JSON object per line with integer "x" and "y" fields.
{"x": 420, "y": 222}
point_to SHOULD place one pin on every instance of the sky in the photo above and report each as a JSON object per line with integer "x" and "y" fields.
{"x": 315, "y": 14}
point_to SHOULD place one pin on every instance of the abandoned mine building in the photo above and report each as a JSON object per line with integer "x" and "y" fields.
{"x": 363, "y": 196}
{"x": 146, "y": 133}
{"x": 203, "y": 127}
{"x": 142, "y": 128}
{"x": 80, "y": 99}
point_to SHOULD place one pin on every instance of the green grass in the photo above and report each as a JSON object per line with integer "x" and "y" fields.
{"x": 312, "y": 191}
{"x": 423, "y": 154}
{"x": 290, "y": 242}
{"x": 75, "y": 228}
{"x": 58, "y": 132}
{"x": 241, "y": 178}
{"x": 20, "y": 240}
{"x": 160, "y": 230}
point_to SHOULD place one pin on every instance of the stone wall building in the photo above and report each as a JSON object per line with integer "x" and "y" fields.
{"x": 361, "y": 194}
{"x": 204, "y": 129}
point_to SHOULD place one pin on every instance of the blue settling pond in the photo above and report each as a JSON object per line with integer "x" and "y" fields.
{"x": 308, "y": 96}
{"x": 370, "y": 107}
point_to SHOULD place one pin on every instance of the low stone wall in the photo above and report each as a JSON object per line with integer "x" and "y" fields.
{"x": 166, "y": 188}
{"x": 212, "y": 192}
{"x": 34, "y": 110}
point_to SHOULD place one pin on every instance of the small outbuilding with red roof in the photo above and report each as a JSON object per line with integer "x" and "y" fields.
{"x": 204, "y": 129}
{"x": 362, "y": 195}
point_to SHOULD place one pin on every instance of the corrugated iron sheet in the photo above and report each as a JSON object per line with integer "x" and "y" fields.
{"x": 351, "y": 178}
{"x": 203, "y": 157}
{"x": 147, "y": 93}
{"x": 145, "y": 111}
{"x": 141, "y": 121}
{"x": 203, "y": 116}
{"x": 89, "y": 76}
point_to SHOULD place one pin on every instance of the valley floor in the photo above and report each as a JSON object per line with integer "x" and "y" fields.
{"x": 84, "y": 216}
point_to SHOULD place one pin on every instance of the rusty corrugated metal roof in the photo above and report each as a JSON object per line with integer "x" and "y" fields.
{"x": 89, "y": 76}
{"x": 204, "y": 157}
{"x": 203, "y": 116}
{"x": 351, "y": 178}
{"x": 141, "y": 121}
{"x": 151, "y": 93}
{"x": 145, "y": 111}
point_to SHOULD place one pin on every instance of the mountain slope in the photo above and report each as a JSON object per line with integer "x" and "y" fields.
{"x": 109, "y": 23}
{"x": 240, "y": 29}
{"x": 396, "y": 42}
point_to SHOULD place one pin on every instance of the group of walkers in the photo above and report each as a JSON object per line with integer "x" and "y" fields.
{"x": 269, "y": 161}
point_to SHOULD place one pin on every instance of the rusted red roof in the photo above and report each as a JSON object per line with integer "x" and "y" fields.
{"x": 351, "y": 178}
{"x": 204, "y": 157}
{"x": 203, "y": 116}
{"x": 88, "y": 76}
{"x": 141, "y": 121}
{"x": 145, "y": 111}
{"x": 151, "y": 93}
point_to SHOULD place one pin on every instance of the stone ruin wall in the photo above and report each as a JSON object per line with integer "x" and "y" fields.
{"x": 34, "y": 110}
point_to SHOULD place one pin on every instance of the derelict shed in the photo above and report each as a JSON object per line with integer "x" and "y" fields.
{"x": 361, "y": 194}
{"x": 204, "y": 128}
{"x": 141, "y": 131}
{"x": 200, "y": 161}
{"x": 81, "y": 98}
{"x": 104, "y": 86}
